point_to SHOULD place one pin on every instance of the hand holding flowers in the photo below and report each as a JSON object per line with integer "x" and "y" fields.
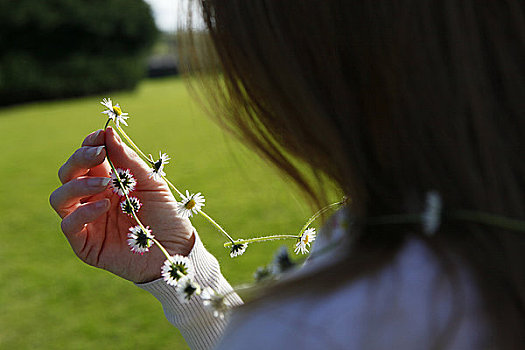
{"x": 93, "y": 220}
{"x": 105, "y": 218}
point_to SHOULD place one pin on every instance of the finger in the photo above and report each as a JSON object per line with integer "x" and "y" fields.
{"x": 80, "y": 162}
{"x": 96, "y": 138}
{"x": 75, "y": 222}
{"x": 84, "y": 214}
{"x": 66, "y": 196}
{"x": 124, "y": 157}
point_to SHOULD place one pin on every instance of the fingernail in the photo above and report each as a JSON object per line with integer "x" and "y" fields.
{"x": 93, "y": 152}
{"x": 101, "y": 204}
{"x": 95, "y": 135}
{"x": 98, "y": 181}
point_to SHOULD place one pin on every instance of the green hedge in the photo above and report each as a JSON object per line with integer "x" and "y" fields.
{"x": 64, "y": 48}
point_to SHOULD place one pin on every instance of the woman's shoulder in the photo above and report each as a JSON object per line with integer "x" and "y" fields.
{"x": 407, "y": 305}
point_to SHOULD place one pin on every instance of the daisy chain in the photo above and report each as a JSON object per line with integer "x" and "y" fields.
{"x": 176, "y": 267}
{"x": 139, "y": 240}
{"x": 127, "y": 182}
{"x": 307, "y": 237}
{"x": 215, "y": 301}
{"x": 282, "y": 261}
{"x": 186, "y": 288}
{"x": 132, "y": 206}
{"x": 114, "y": 112}
{"x": 157, "y": 171}
{"x": 262, "y": 273}
{"x": 190, "y": 204}
{"x": 238, "y": 249}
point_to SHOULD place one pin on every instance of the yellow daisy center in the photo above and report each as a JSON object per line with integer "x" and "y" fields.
{"x": 306, "y": 239}
{"x": 117, "y": 110}
{"x": 190, "y": 204}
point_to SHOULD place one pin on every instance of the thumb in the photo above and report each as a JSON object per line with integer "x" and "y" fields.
{"x": 124, "y": 157}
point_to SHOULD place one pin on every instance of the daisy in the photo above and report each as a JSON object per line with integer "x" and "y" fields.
{"x": 186, "y": 288}
{"x": 238, "y": 249}
{"x": 190, "y": 204}
{"x": 176, "y": 267}
{"x": 215, "y": 301}
{"x": 114, "y": 112}
{"x": 303, "y": 242}
{"x": 282, "y": 261}
{"x": 262, "y": 273}
{"x": 125, "y": 185}
{"x": 140, "y": 240}
{"x": 157, "y": 172}
{"x": 132, "y": 206}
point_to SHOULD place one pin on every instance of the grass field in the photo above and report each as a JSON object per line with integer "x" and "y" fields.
{"x": 48, "y": 298}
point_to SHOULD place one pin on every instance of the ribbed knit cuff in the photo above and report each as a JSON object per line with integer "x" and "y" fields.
{"x": 198, "y": 326}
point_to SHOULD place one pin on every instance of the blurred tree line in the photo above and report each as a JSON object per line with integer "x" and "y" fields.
{"x": 63, "y": 48}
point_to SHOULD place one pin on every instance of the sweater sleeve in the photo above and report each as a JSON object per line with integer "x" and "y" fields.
{"x": 198, "y": 326}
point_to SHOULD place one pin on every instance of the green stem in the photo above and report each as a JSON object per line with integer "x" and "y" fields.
{"x": 164, "y": 251}
{"x": 137, "y": 149}
{"x": 172, "y": 186}
{"x": 133, "y": 213}
{"x": 132, "y": 144}
{"x": 316, "y": 215}
{"x": 206, "y": 216}
{"x": 217, "y": 226}
{"x": 259, "y": 239}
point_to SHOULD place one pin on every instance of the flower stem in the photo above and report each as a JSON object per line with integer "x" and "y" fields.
{"x": 134, "y": 214}
{"x": 259, "y": 239}
{"x": 163, "y": 250}
{"x": 137, "y": 149}
{"x": 132, "y": 144}
{"x": 317, "y": 214}
{"x": 172, "y": 186}
{"x": 217, "y": 226}
{"x": 206, "y": 216}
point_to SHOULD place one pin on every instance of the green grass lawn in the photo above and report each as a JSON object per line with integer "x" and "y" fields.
{"x": 48, "y": 298}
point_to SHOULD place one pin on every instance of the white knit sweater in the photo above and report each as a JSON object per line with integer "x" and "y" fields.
{"x": 405, "y": 306}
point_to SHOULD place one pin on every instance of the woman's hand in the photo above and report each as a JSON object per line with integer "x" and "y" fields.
{"x": 93, "y": 222}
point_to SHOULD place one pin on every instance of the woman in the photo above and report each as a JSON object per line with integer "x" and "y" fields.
{"x": 391, "y": 100}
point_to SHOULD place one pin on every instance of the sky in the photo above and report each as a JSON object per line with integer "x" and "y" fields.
{"x": 167, "y": 13}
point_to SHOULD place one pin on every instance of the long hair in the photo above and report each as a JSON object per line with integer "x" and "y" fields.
{"x": 388, "y": 99}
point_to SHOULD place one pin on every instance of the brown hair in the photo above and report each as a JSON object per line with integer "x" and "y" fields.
{"x": 389, "y": 99}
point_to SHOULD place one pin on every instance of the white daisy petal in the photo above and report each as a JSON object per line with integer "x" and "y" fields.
{"x": 122, "y": 120}
{"x": 140, "y": 240}
{"x": 238, "y": 249}
{"x": 186, "y": 288}
{"x": 128, "y": 207}
{"x": 114, "y": 112}
{"x": 125, "y": 185}
{"x": 157, "y": 171}
{"x": 176, "y": 267}
{"x": 215, "y": 301}
{"x": 190, "y": 204}
{"x": 106, "y": 102}
{"x": 303, "y": 242}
